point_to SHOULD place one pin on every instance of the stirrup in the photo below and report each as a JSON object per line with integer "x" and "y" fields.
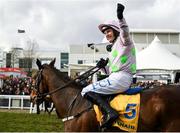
{"x": 107, "y": 124}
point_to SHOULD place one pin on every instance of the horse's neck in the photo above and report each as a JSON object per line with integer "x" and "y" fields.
{"x": 63, "y": 98}
{"x": 69, "y": 102}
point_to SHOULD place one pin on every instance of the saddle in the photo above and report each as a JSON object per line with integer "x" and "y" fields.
{"x": 127, "y": 104}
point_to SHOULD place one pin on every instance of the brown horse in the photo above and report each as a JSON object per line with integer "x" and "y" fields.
{"x": 159, "y": 108}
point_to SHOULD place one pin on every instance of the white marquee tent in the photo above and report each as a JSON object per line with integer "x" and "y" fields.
{"x": 156, "y": 58}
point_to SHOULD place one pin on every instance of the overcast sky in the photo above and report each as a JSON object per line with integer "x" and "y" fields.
{"x": 55, "y": 24}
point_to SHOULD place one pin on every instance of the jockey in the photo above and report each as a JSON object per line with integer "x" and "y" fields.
{"x": 121, "y": 64}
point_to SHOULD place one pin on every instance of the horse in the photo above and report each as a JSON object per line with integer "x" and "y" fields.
{"x": 159, "y": 106}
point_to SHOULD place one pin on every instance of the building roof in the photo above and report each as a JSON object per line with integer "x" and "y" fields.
{"x": 154, "y": 31}
{"x": 156, "y": 56}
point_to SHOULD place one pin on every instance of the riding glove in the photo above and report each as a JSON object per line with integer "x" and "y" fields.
{"x": 102, "y": 63}
{"x": 120, "y": 9}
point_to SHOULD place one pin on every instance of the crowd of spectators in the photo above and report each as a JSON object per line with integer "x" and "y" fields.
{"x": 23, "y": 86}
{"x": 15, "y": 86}
{"x": 149, "y": 84}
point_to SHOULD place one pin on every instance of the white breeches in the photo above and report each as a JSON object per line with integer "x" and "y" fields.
{"x": 116, "y": 83}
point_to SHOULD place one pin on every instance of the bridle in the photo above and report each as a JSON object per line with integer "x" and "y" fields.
{"x": 81, "y": 77}
{"x": 41, "y": 96}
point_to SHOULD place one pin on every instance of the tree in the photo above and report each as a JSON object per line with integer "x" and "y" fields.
{"x": 29, "y": 52}
{"x": 15, "y": 54}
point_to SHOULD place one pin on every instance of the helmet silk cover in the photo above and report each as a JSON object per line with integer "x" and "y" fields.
{"x": 109, "y": 24}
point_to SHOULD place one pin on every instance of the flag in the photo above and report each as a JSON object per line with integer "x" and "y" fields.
{"x": 21, "y": 31}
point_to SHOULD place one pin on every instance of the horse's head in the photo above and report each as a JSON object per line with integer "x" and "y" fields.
{"x": 41, "y": 79}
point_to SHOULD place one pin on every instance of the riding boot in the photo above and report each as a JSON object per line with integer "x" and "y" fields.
{"x": 109, "y": 114}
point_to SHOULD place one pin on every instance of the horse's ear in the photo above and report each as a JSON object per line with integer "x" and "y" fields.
{"x": 38, "y": 62}
{"x": 52, "y": 62}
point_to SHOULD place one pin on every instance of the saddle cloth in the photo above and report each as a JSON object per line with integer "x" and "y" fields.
{"x": 128, "y": 108}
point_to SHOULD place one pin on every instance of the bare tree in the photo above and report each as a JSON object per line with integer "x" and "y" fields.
{"x": 29, "y": 52}
{"x": 15, "y": 54}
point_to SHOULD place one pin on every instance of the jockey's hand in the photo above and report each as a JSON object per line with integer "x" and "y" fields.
{"x": 120, "y": 9}
{"x": 102, "y": 63}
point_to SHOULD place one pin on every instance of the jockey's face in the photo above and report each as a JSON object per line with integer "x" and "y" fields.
{"x": 109, "y": 35}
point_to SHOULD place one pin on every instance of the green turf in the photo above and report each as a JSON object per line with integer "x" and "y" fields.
{"x": 25, "y": 122}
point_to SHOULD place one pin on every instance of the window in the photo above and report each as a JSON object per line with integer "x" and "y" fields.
{"x": 8, "y": 60}
{"x": 25, "y": 63}
{"x": 150, "y": 37}
{"x": 174, "y": 38}
{"x": 64, "y": 59}
{"x": 139, "y": 37}
{"x": 64, "y": 55}
{"x": 80, "y": 61}
{"x": 163, "y": 37}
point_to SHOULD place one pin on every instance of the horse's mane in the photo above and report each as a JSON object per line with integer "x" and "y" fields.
{"x": 65, "y": 77}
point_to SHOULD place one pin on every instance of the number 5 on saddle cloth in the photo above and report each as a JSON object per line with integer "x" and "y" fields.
{"x": 127, "y": 104}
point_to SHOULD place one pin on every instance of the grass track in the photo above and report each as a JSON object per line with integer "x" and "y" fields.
{"x": 25, "y": 122}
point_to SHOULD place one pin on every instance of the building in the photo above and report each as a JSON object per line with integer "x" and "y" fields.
{"x": 46, "y": 56}
{"x": 18, "y": 58}
{"x": 170, "y": 38}
{"x": 81, "y": 57}
{"x": 82, "y": 54}
{"x": 2, "y": 58}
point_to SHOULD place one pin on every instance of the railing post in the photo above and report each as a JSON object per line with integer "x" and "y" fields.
{"x": 22, "y": 102}
{"x": 9, "y": 105}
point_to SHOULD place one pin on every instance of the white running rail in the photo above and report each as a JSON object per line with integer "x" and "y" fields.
{"x": 15, "y": 101}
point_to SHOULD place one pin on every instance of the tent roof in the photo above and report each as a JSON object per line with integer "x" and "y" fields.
{"x": 156, "y": 56}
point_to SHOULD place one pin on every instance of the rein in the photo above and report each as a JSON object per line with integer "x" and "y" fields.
{"x": 39, "y": 78}
{"x": 40, "y": 96}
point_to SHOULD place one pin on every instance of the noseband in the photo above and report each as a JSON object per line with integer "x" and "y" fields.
{"x": 40, "y": 96}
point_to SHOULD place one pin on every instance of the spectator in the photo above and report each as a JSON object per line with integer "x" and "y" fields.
{"x": 16, "y": 86}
